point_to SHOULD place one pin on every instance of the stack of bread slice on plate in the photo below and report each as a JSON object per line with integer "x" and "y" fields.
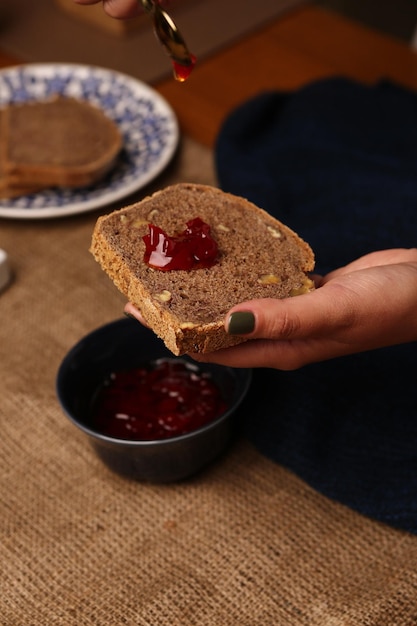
{"x": 60, "y": 142}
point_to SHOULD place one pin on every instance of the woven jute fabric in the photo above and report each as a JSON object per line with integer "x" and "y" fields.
{"x": 246, "y": 542}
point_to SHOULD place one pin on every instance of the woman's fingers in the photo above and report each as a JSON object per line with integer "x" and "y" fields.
{"x": 368, "y": 304}
{"x": 132, "y": 311}
{"x": 117, "y": 8}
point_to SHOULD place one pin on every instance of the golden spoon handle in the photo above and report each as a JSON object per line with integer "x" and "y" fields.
{"x": 168, "y": 34}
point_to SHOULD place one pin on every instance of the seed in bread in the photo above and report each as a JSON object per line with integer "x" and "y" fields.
{"x": 259, "y": 257}
{"x": 61, "y": 142}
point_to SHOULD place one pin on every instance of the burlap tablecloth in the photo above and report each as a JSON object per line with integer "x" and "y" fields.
{"x": 246, "y": 542}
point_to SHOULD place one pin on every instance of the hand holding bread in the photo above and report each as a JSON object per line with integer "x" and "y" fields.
{"x": 247, "y": 297}
{"x": 365, "y": 305}
{"x": 258, "y": 258}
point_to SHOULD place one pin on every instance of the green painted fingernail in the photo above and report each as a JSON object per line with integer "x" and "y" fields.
{"x": 241, "y": 323}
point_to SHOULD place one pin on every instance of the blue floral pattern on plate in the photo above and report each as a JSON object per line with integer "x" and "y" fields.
{"x": 147, "y": 123}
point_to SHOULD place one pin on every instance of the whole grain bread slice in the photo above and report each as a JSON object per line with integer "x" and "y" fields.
{"x": 62, "y": 142}
{"x": 259, "y": 257}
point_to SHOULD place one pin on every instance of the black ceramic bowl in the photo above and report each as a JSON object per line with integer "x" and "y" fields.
{"x": 122, "y": 345}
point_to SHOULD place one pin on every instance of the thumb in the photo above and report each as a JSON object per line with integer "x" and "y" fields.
{"x": 299, "y": 317}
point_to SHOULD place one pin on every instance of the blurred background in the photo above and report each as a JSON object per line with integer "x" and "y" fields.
{"x": 394, "y": 17}
{"x": 60, "y": 31}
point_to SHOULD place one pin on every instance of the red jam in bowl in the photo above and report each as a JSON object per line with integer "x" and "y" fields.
{"x": 194, "y": 248}
{"x": 167, "y": 399}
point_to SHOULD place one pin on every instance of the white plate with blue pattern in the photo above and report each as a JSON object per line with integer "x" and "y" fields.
{"x": 147, "y": 122}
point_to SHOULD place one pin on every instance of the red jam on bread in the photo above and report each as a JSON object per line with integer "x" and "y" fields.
{"x": 194, "y": 248}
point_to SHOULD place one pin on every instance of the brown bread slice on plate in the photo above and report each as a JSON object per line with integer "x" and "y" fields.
{"x": 63, "y": 142}
{"x": 258, "y": 258}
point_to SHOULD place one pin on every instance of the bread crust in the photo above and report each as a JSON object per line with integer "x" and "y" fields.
{"x": 7, "y": 190}
{"x": 258, "y": 257}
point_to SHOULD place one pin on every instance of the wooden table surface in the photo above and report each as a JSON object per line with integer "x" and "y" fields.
{"x": 304, "y": 44}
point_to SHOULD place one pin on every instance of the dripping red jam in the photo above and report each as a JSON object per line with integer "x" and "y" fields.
{"x": 167, "y": 399}
{"x": 194, "y": 248}
{"x": 181, "y": 71}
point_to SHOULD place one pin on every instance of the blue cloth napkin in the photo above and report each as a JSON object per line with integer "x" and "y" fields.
{"x": 337, "y": 162}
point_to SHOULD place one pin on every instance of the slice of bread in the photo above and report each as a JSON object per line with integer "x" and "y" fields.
{"x": 258, "y": 258}
{"x": 62, "y": 142}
